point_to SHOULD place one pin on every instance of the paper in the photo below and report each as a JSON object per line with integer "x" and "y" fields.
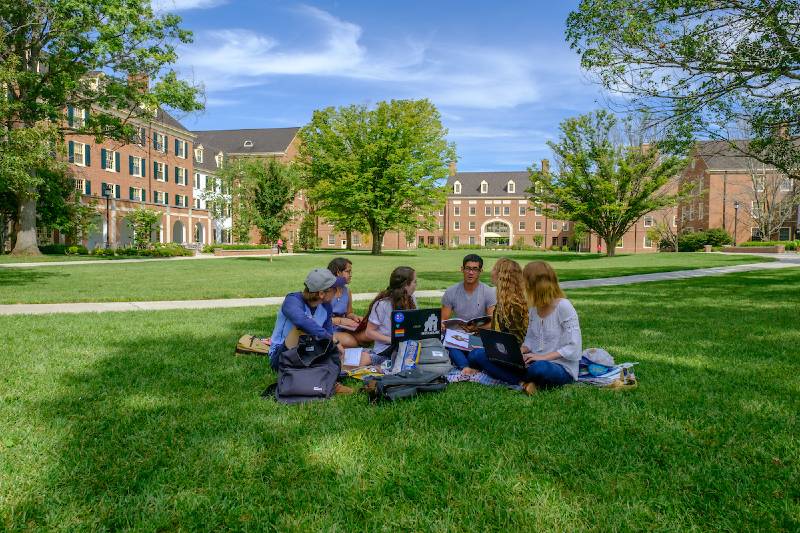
{"x": 352, "y": 356}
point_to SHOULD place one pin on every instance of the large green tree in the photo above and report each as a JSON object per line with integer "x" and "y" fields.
{"x": 606, "y": 177}
{"x": 702, "y": 66}
{"x": 261, "y": 195}
{"x": 377, "y": 167}
{"x": 85, "y": 54}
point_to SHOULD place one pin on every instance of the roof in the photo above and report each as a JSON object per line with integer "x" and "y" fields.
{"x": 264, "y": 140}
{"x": 720, "y": 155}
{"x": 168, "y": 120}
{"x": 497, "y": 183}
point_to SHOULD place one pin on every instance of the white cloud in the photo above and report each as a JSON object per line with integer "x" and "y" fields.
{"x": 161, "y": 6}
{"x": 447, "y": 73}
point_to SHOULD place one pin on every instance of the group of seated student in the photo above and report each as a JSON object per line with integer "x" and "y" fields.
{"x": 527, "y": 303}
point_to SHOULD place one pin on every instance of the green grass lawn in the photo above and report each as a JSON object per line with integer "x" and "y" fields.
{"x": 249, "y": 277}
{"x": 147, "y": 421}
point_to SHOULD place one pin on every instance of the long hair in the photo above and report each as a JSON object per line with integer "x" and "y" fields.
{"x": 396, "y": 292}
{"x": 511, "y": 312}
{"x": 541, "y": 284}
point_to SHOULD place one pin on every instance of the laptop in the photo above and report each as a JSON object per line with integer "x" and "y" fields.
{"x": 502, "y": 349}
{"x": 416, "y": 324}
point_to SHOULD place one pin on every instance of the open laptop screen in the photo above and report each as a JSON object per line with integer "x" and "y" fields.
{"x": 416, "y": 324}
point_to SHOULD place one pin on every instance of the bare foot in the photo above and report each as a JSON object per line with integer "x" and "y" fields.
{"x": 469, "y": 371}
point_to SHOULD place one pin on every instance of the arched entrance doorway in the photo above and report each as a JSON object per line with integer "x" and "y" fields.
{"x": 198, "y": 233}
{"x": 178, "y": 232}
{"x": 496, "y": 233}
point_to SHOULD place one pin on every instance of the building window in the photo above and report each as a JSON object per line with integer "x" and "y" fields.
{"x": 196, "y": 180}
{"x": 621, "y": 242}
{"x": 457, "y": 187}
{"x": 218, "y": 160}
{"x": 356, "y": 239}
{"x": 484, "y": 187}
{"x": 755, "y": 234}
{"x": 699, "y": 211}
{"x": 136, "y": 194}
{"x": 537, "y": 210}
{"x": 80, "y": 186}
{"x": 538, "y": 225}
{"x": 488, "y": 211}
{"x": 181, "y": 176}
{"x": 455, "y": 240}
{"x": 109, "y": 160}
{"x": 758, "y": 183}
{"x": 456, "y": 225}
{"x": 472, "y": 211}
{"x": 136, "y": 166}
{"x": 522, "y": 210}
{"x": 180, "y": 200}
{"x": 648, "y": 221}
{"x": 198, "y": 155}
{"x": 784, "y": 234}
{"x": 565, "y": 226}
{"x": 331, "y": 240}
{"x": 648, "y": 242}
{"x": 786, "y": 185}
{"x": 522, "y": 225}
{"x": 472, "y": 239}
{"x": 511, "y": 187}
{"x": 497, "y": 210}
{"x": 180, "y": 148}
{"x": 159, "y": 171}
{"x": 506, "y": 210}
{"x": 141, "y": 136}
{"x": 456, "y": 211}
{"x": 79, "y": 154}
{"x": 554, "y": 226}
{"x": 160, "y": 142}
{"x": 197, "y": 203}
{"x": 441, "y": 225}
{"x": 160, "y": 197}
{"x": 472, "y": 225}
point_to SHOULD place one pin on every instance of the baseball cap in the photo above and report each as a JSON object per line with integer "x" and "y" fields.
{"x": 321, "y": 279}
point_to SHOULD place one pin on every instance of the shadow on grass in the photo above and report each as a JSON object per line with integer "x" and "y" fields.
{"x": 26, "y": 276}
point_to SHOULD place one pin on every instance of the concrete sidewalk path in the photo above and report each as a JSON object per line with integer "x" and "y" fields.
{"x": 136, "y": 260}
{"x": 99, "y": 307}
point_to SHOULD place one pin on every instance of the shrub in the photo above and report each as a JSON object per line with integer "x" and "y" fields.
{"x": 53, "y": 249}
{"x": 103, "y": 252}
{"x": 519, "y": 244}
{"x": 78, "y": 250}
{"x": 565, "y": 248}
{"x": 468, "y": 247}
{"x": 789, "y": 245}
{"x": 240, "y": 247}
{"x": 693, "y": 242}
{"x": 169, "y": 250}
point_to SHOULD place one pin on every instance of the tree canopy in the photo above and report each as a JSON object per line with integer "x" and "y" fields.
{"x": 87, "y": 54}
{"x": 378, "y": 167}
{"x": 701, "y": 66}
{"x": 606, "y": 178}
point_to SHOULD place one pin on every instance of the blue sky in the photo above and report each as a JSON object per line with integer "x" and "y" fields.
{"x": 500, "y": 73}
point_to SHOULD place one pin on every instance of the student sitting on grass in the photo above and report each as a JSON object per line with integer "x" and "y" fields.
{"x": 306, "y": 312}
{"x": 552, "y": 345}
{"x": 511, "y": 312}
{"x": 378, "y": 326}
{"x": 345, "y": 321}
{"x": 467, "y": 300}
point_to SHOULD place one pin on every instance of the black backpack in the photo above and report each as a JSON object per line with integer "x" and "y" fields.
{"x": 404, "y": 384}
{"x": 307, "y": 372}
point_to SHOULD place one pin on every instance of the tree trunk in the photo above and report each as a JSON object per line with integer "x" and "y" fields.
{"x": 611, "y": 246}
{"x": 377, "y": 242}
{"x": 26, "y": 236}
{"x": 349, "y": 234}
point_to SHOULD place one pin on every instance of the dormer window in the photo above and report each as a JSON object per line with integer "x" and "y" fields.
{"x": 484, "y": 187}
{"x": 511, "y": 187}
{"x": 198, "y": 155}
{"x": 218, "y": 160}
{"x": 248, "y": 143}
{"x": 457, "y": 187}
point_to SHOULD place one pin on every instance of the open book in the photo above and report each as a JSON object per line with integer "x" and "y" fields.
{"x": 348, "y": 325}
{"x": 462, "y": 324}
{"x": 456, "y": 338}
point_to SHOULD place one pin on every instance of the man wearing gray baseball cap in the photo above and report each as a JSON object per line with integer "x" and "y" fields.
{"x": 308, "y": 312}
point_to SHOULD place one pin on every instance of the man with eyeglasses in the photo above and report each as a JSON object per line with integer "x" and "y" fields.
{"x": 468, "y": 299}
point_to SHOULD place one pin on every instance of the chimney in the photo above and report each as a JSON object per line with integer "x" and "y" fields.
{"x": 452, "y": 168}
{"x": 140, "y": 82}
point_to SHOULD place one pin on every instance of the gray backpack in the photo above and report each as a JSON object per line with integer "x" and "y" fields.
{"x": 433, "y": 357}
{"x": 307, "y": 373}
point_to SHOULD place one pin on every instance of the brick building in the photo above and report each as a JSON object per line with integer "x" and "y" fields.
{"x": 722, "y": 178}
{"x": 154, "y": 171}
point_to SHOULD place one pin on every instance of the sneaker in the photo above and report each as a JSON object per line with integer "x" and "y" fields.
{"x": 529, "y": 388}
{"x": 342, "y": 389}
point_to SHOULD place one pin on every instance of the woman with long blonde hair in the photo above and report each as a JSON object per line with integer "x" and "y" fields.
{"x": 551, "y": 348}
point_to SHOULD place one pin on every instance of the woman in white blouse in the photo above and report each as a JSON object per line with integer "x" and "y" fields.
{"x": 552, "y": 346}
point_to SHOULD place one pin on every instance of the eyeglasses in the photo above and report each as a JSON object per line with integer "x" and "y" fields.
{"x": 472, "y": 269}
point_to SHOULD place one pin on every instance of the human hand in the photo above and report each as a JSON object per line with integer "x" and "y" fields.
{"x": 529, "y": 358}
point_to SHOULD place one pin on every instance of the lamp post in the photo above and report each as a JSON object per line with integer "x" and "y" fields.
{"x": 735, "y": 219}
{"x": 108, "y": 190}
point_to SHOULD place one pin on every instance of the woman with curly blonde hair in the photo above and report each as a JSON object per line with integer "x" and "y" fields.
{"x": 511, "y": 312}
{"x": 552, "y": 345}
